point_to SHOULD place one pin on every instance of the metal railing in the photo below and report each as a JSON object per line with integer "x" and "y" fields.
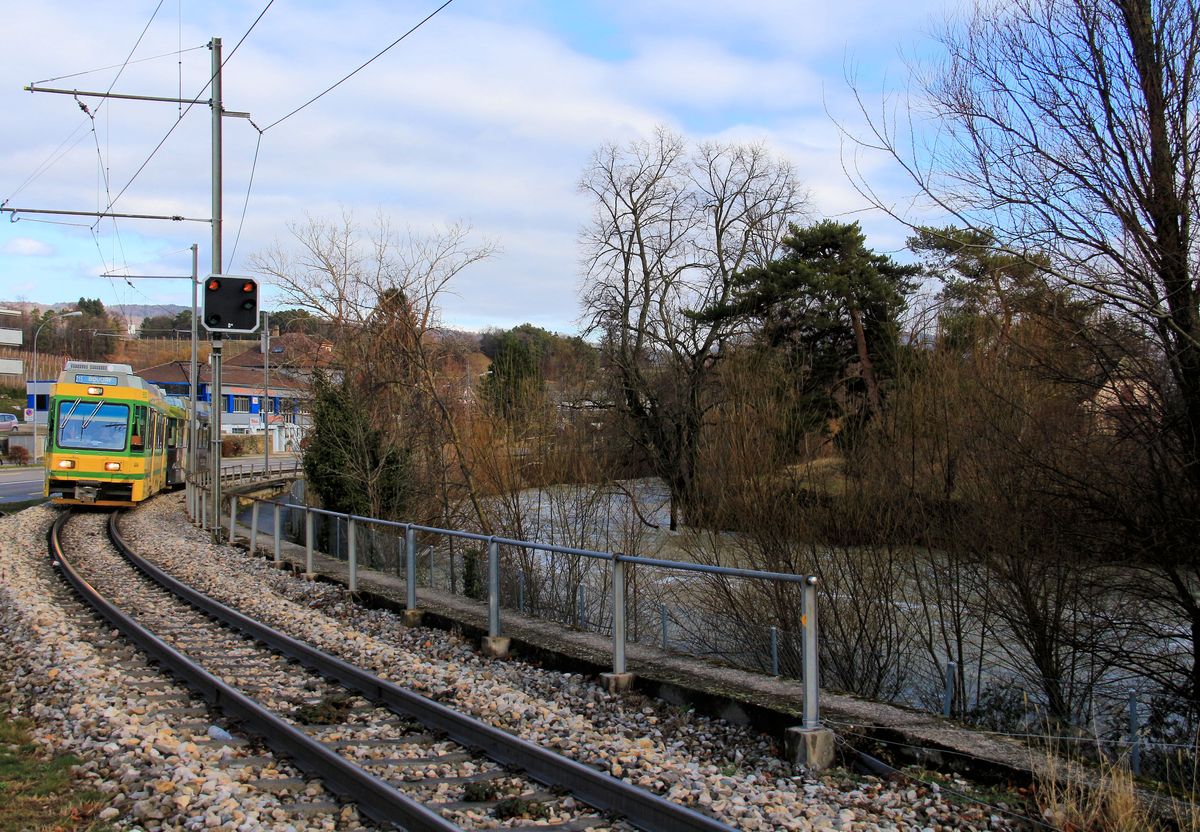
{"x": 617, "y": 564}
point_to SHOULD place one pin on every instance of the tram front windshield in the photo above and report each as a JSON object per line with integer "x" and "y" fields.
{"x": 93, "y": 425}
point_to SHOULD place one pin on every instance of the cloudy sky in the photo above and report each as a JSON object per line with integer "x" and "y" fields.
{"x": 487, "y": 115}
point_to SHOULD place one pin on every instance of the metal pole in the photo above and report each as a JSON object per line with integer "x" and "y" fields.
{"x": 204, "y": 509}
{"x": 194, "y": 374}
{"x": 278, "y": 521}
{"x": 618, "y": 578}
{"x": 664, "y": 616}
{"x": 217, "y": 260}
{"x": 264, "y": 408}
{"x": 812, "y": 709}
{"x": 410, "y": 567}
{"x": 774, "y": 651}
{"x": 232, "y": 517}
{"x": 521, "y": 592}
{"x": 948, "y": 693}
{"x": 308, "y": 541}
{"x": 580, "y": 618}
{"x": 254, "y": 527}
{"x": 352, "y": 544}
{"x": 1135, "y": 748}
{"x": 215, "y": 426}
{"x": 493, "y": 587}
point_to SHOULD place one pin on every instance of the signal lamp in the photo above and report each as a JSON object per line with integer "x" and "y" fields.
{"x": 230, "y": 304}
{"x": 112, "y": 466}
{"x": 95, "y": 391}
{"x": 66, "y": 463}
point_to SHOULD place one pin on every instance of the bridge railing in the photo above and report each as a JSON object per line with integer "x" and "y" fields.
{"x": 616, "y": 576}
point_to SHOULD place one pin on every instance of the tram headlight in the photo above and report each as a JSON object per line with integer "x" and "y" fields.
{"x": 66, "y": 463}
{"x": 112, "y": 466}
{"x": 95, "y": 391}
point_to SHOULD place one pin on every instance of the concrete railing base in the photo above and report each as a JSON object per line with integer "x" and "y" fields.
{"x": 495, "y": 647}
{"x": 809, "y": 747}
{"x": 616, "y": 682}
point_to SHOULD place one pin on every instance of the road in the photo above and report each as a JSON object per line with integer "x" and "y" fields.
{"x": 20, "y": 484}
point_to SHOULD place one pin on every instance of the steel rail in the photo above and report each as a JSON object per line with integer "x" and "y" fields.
{"x": 635, "y": 805}
{"x": 377, "y": 799}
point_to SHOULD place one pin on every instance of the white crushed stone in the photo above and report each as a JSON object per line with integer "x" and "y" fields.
{"x": 55, "y": 672}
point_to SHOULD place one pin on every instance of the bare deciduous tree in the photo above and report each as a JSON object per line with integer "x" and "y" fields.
{"x": 670, "y": 230}
{"x": 382, "y": 291}
{"x": 1067, "y": 129}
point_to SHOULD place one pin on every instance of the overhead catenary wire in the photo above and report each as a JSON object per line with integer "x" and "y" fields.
{"x": 52, "y": 159}
{"x": 361, "y": 67}
{"x": 249, "y": 186}
{"x": 191, "y": 104}
{"x": 173, "y": 53}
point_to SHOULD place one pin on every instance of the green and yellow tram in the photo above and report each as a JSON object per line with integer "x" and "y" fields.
{"x": 114, "y": 439}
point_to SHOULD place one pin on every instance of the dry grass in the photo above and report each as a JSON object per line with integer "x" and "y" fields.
{"x": 40, "y": 793}
{"x": 1104, "y": 797}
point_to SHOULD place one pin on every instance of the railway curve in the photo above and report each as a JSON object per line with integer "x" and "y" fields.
{"x": 383, "y": 800}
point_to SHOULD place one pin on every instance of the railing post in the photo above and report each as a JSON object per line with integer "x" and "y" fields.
{"x": 774, "y": 650}
{"x": 664, "y": 618}
{"x": 254, "y": 527}
{"x": 1135, "y": 746}
{"x": 308, "y": 541}
{"x": 948, "y": 693}
{"x": 352, "y": 545}
{"x": 493, "y": 587}
{"x": 278, "y": 535}
{"x": 812, "y": 708}
{"x": 204, "y": 510}
{"x": 618, "y": 587}
{"x": 410, "y": 567}
{"x": 232, "y": 518}
{"x": 521, "y": 592}
{"x": 580, "y": 618}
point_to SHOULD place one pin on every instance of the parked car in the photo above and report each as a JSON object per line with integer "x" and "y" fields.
{"x": 8, "y": 423}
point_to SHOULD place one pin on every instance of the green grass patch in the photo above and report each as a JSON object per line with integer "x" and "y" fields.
{"x": 21, "y": 505}
{"x": 38, "y": 792}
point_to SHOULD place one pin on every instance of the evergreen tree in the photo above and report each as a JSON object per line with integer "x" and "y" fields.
{"x": 833, "y": 306}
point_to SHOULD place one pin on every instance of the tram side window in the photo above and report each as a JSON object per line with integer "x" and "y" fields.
{"x": 160, "y": 435}
{"x": 137, "y": 442}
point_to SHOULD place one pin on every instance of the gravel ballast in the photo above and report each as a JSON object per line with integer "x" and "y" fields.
{"x": 88, "y": 694}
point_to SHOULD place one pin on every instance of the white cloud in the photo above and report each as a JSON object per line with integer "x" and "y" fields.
{"x": 27, "y": 247}
{"x": 488, "y": 113}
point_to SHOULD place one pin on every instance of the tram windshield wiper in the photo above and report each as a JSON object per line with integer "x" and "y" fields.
{"x": 71, "y": 412}
{"x": 91, "y": 415}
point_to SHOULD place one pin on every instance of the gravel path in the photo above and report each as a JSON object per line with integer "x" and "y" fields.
{"x": 89, "y": 694}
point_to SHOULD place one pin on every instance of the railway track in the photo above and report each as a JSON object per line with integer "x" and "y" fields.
{"x": 404, "y": 760}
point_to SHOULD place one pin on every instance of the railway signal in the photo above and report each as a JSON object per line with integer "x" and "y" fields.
{"x": 230, "y": 303}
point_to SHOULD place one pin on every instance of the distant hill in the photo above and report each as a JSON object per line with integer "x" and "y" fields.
{"x": 133, "y": 313}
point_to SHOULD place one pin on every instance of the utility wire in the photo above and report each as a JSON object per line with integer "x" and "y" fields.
{"x": 180, "y": 51}
{"x": 204, "y": 89}
{"x": 379, "y": 54}
{"x": 249, "y": 185}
